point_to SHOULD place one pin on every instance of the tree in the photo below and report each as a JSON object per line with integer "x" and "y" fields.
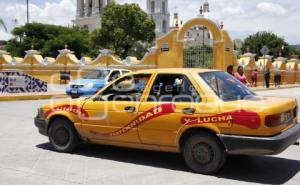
{"x": 273, "y": 42}
{"x": 123, "y": 26}
{"x": 2, "y": 24}
{"x": 48, "y": 39}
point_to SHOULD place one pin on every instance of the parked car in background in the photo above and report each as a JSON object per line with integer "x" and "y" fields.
{"x": 93, "y": 81}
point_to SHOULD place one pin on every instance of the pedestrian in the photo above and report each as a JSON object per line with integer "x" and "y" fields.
{"x": 267, "y": 76}
{"x": 230, "y": 70}
{"x": 277, "y": 78}
{"x": 240, "y": 75}
{"x": 254, "y": 77}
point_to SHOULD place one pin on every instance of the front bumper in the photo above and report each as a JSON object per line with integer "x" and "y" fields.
{"x": 261, "y": 145}
{"x": 42, "y": 125}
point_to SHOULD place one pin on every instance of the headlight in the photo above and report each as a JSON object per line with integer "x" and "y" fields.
{"x": 40, "y": 113}
{"x": 89, "y": 85}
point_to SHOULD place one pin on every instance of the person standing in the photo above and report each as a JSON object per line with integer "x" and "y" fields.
{"x": 277, "y": 78}
{"x": 267, "y": 76}
{"x": 240, "y": 75}
{"x": 254, "y": 75}
{"x": 230, "y": 70}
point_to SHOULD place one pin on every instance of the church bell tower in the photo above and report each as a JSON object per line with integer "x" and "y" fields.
{"x": 88, "y": 13}
{"x": 159, "y": 11}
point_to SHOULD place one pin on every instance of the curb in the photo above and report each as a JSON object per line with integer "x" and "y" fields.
{"x": 36, "y": 96}
{"x": 274, "y": 88}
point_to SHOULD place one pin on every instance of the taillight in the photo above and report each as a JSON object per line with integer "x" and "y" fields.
{"x": 273, "y": 120}
{"x": 280, "y": 119}
{"x": 295, "y": 112}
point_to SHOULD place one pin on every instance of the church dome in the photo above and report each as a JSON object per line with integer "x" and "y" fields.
{"x": 204, "y": 12}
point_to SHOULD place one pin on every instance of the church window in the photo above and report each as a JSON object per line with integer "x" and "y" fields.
{"x": 163, "y": 7}
{"x": 86, "y": 27}
{"x": 90, "y": 8}
{"x": 152, "y": 6}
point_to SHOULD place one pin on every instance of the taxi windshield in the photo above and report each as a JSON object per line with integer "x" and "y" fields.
{"x": 226, "y": 86}
{"x": 97, "y": 74}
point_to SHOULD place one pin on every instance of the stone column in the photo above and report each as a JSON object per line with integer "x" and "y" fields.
{"x": 87, "y": 8}
{"x": 80, "y": 8}
{"x": 96, "y": 9}
{"x": 102, "y": 5}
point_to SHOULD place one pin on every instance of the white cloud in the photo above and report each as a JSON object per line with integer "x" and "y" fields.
{"x": 232, "y": 11}
{"x": 60, "y": 13}
{"x": 240, "y": 18}
{"x": 271, "y": 8}
{"x": 5, "y": 35}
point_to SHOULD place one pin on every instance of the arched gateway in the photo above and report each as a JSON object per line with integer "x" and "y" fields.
{"x": 171, "y": 46}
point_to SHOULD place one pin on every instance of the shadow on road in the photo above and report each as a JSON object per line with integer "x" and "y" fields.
{"x": 257, "y": 169}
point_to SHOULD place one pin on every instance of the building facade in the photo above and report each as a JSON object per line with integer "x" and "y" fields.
{"x": 88, "y": 13}
{"x": 200, "y": 35}
{"x": 159, "y": 11}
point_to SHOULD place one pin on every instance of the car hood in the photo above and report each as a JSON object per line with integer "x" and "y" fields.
{"x": 83, "y": 81}
{"x": 69, "y": 102}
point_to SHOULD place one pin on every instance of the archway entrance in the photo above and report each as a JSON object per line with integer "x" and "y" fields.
{"x": 198, "y": 48}
{"x": 174, "y": 52}
{"x": 202, "y": 42}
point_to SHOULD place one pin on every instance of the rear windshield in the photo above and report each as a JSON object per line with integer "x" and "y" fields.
{"x": 97, "y": 74}
{"x": 226, "y": 86}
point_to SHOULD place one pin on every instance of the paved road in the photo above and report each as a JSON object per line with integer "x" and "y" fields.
{"x": 26, "y": 158}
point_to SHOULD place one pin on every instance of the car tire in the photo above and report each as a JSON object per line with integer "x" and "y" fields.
{"x": 62, "y": 136}
{"x": 74, "y": 96}
{"x": 204, "y": 153}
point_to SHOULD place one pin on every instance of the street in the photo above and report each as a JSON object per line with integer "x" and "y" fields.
{"x": 26, "y": 158}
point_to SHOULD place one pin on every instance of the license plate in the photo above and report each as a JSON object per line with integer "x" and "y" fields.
{"x": 74, "y": 91}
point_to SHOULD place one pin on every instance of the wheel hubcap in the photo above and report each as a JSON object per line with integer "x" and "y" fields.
{"x": 61, "y": 136}
{"x": 202, "y": 153}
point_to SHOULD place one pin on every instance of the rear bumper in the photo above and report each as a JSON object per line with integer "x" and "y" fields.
{"x": 42, "y": 125}
{"x": 261, "y": 145}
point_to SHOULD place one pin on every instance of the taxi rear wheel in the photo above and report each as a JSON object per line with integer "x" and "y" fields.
{"x": 204, "y": 153}
{"x": 63, "y": 136}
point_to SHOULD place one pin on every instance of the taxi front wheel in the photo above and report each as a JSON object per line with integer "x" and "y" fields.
{"x": 63, "y": 136}
{"x": 204, "y": 153}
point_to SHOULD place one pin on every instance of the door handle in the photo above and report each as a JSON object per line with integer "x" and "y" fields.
{"x": 129, "y": 109}
{"x": 188, "y": 110}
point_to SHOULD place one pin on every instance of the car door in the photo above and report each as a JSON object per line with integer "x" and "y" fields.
{"x": 114, "y": 111}
{"x": 177, "y": 97}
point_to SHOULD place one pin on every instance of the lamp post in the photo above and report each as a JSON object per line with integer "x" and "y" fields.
{"x": 27, "y": 3}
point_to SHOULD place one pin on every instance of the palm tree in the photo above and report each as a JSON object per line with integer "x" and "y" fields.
{"x": 2, "y": 24}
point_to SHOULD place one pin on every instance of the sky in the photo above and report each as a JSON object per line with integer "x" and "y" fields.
{"x": 240, "y": 17}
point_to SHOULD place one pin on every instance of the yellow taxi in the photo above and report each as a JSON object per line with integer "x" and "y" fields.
{"x": 203, "y": 114}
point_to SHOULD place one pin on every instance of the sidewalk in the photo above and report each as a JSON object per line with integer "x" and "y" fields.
{"x": 288, "y": 86}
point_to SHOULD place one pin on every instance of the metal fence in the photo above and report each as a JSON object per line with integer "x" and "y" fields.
{"x": 198, "y": 56}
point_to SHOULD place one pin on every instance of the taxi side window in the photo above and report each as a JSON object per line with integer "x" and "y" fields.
{"x": 128, "y": 88}
{"x": 173, "y": 88}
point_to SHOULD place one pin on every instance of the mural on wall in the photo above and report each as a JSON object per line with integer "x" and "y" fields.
{"x": 19, "y": 82}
